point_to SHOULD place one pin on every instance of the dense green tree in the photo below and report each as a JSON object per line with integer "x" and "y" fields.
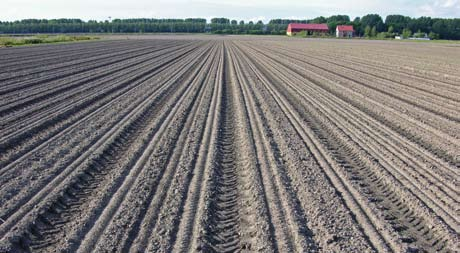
{"x": 437, "y": 28}
{"x": 343, "y": 19}
{"x": 406, "y": 33}
{"x": 319, "y": 20}
{"x": 359, "y": 30}
{"x": 373, "y": 20}
{"x": 220, "y": 21}
{"x": 287, "y": 21}
{"x": 390, "y": 29}
{"x": 433, "y": 36}
{"x": 374, "y": 31}
{"x": 367, "y": 31}
{"x": 422, "y": 23}
{"x": 398, "y": 22}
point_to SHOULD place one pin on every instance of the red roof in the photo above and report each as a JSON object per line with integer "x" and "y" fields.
{"x": 345, "y": 28}
{"x": 319, "y": 27}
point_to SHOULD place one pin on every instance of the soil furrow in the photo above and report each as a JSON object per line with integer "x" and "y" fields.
{"x": 21, "y": 102}
{"x": 168, "y": 185}
{"x": 421, "y": 240}
{"x": 399, "y": 78}
{"x": 76, "y": 113}
{"x": 437, "y": 152}
{"x": 283, "y": 202}
{"x": 224, "y": 227}
{"x": 352, "y": 198}
{"x": 404, "y": 153}
{"x": 186, "y": 232}
{"x": 193, "y": 143}
{"x": 48, "y": 75}
{"x": 440, "y": 191}
{"x": 145, "y": 102}
{"x": 444, "y": 131}
{"x": 160, "y": 167}
{"x": 68, "y": 54}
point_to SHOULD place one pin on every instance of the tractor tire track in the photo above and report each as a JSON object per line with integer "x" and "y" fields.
{"x": 224, "y": 227}
{"x": 409, "y": 223}
{"x": 76, "y": 113}
{"x": 286, "y": 216}
{"x": 228, "y": 144}
{"x": 3, "y": 225}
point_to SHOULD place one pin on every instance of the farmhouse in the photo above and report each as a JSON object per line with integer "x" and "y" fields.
{"x": 310, "y": 29}
{"x": 344, "y": 31}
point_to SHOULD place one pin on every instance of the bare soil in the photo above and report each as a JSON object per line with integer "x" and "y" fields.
{"x": 230, "y": 143}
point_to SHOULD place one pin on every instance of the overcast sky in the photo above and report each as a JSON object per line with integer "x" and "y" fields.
{"x": 235, "y": 9}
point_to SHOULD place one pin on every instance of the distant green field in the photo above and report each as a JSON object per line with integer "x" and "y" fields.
{"x": 302, "y": 35}
{"x": 433, "y": 41}
{"x": 8, "y": 41}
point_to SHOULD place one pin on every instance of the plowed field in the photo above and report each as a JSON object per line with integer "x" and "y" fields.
{"x": 223, "y": 144}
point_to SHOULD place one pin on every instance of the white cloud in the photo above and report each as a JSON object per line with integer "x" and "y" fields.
{"x": 253, "y": 10}
{"x": 441, "y": 8}
{"x": 450, "y": 3}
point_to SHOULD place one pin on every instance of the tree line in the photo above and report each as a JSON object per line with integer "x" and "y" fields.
{"x": 141, "y": 25}
{"x": 371, "y": 25}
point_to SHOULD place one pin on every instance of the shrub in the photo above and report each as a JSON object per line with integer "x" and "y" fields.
{"x": 406, "y": 33}
{"x": 12, "y": 41}
{"x": 33, "y": 41}
{"x": 385, "y": 35}
{"x": 7, "y": 42}
{"x": 433, "y": 36}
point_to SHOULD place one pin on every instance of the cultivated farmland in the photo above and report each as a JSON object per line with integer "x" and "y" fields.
{"x": 202, "y": 143}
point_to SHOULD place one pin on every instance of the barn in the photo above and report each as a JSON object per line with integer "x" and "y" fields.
{"x": 294, "y": 28}
{"x": 344, "y": 31}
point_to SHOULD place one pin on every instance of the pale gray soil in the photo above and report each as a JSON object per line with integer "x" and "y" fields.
{"x": 230, "y": 143}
